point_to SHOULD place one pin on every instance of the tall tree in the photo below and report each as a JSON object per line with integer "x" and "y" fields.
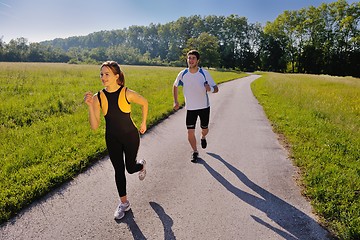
{"x": 274, "y": 46}
{"x": 232, "y": 48}
{"x": 164, "y": 33}
{"x": 151, "y": 40}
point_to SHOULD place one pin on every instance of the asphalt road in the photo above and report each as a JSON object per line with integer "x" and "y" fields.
{"x": 244, "y": 186}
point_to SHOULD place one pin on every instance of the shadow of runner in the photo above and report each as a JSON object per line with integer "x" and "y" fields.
{"x": 284, "y": 234}
{"x": 135, "y": 230}
{"x": 166, "y": 221}
{"x": 132, "y": 225}
{"x": 294, "y": 221}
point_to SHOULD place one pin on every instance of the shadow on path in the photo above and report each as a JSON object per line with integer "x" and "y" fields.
{"x": 297, "y": 224}
{"x": 132, "y": 225}
{"x": 166, "y": 220}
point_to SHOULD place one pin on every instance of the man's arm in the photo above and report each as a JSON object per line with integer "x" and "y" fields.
{"x": 175, "y": 95}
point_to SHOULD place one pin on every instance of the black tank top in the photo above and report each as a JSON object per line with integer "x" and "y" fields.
{"x": 117, "y": 121}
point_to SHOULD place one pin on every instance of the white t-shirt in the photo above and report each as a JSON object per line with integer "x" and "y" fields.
{"x": 193, "y": 87}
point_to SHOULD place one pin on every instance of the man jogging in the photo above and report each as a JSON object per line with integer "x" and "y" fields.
{"x": 196, "y": 82}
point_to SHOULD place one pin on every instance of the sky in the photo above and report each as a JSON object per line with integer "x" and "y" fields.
{"x": 40, "y": 20}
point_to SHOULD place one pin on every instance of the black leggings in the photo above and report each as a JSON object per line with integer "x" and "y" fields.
{"x": 118, "y": 148}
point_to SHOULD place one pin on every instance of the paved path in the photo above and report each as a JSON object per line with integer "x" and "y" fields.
{"x": 242, "y": 188}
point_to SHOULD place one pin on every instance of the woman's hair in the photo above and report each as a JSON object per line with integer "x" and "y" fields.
{"x": 115, "y": 68}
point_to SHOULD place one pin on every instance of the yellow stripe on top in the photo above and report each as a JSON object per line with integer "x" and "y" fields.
{"x": 124, "y": 105}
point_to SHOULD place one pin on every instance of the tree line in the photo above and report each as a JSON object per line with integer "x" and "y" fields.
{"x": 319, "y": 40}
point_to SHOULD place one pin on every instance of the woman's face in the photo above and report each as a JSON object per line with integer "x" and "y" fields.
{"x": 108, "y": 78}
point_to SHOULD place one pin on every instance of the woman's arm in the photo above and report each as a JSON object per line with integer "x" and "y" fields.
{"x": 138, "y": 99}
{"x": 94, "y": 110}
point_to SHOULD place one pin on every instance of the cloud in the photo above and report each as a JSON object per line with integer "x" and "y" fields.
{"x": 6, "y": 5}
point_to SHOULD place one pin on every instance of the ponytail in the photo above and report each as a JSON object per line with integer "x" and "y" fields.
{"x": 121, "y": 79}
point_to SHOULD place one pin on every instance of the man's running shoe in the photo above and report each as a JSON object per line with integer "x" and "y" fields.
{"x": 121, "y": 209}
{"x": 194, "y": 156}
{"x": 142, "y": 173}
{"x": 203, "y": 143}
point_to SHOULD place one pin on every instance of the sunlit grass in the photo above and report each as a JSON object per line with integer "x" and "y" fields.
{"x": 320, "y": 119}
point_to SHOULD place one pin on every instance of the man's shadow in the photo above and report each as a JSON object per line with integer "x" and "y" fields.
{"x": 297, "y": 224}
{"x": 136, "y": 231}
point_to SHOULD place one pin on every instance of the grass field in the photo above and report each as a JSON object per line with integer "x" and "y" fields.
{"x": 319, "y": 116}
{"x": 44, "y": 131}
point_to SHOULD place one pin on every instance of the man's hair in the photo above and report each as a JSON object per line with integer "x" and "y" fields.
{"x": 194, "y": 52}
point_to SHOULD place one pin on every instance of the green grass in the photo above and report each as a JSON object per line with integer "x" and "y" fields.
{"x": 44, "y": 131}
{"x": 319, "y": 117}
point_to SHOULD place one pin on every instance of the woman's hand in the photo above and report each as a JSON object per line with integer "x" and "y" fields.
{"x": 88, "y": 98}
{"x": 143, "y": 128}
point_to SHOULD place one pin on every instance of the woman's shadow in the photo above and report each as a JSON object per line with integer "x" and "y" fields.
{"x": 129, "y": 220}
{"x": 297, "y": 224}
{"x": 166, "y": 221}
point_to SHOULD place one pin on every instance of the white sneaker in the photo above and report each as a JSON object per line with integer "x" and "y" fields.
{"x": 142, "y": 173}
{"x": 121, "y": 209}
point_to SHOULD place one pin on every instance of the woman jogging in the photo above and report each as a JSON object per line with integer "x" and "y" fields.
{"x": 122, "y": 136}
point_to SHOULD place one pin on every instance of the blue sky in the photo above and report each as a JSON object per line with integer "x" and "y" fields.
{"x": 39, "y": 20}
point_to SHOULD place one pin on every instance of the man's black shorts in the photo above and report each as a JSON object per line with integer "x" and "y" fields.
{"x": 192, "y": 115}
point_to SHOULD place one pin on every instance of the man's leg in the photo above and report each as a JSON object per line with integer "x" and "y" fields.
{"x": 192, "y": 139}
{"x": 204, "y": 122}
{"x": 204, "y": 132}
{"x": 191, "y": 117}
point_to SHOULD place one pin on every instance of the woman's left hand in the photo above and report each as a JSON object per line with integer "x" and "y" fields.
{"x": 142, "y": 128}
